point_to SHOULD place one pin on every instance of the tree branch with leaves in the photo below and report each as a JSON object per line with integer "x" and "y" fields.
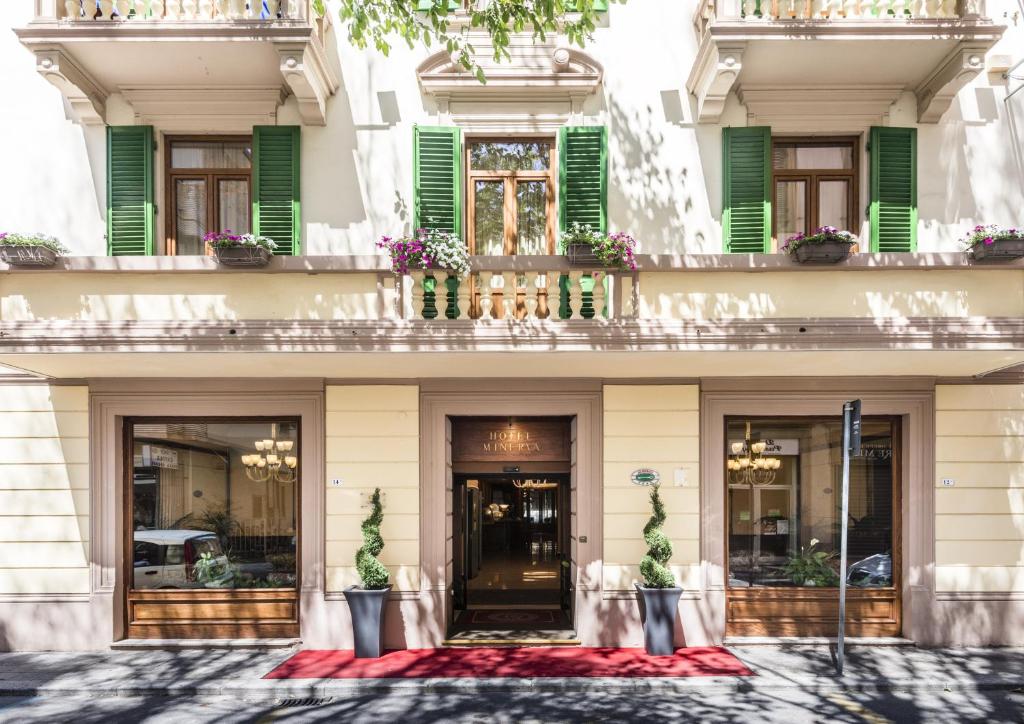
{"x": 380, "y": 23}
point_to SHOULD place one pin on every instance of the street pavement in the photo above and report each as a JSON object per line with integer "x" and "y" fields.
{"x": 793, "y": 684}
{"x": 790, "y": 705}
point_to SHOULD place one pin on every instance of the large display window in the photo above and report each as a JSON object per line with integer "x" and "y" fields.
{"x": 212, "y": 522}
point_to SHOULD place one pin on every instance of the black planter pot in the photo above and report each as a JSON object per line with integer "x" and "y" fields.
{"x": 658, "y": 615}
{"x": 18, "y": 255}
{"x": 253, "y": 256}
{"x": 367, "y": 609}
{"x": 1001, "y": 250}
{"x": 582, "y": 255}
{"x": 829, "y": 252}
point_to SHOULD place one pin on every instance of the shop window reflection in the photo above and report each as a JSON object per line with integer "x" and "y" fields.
{"x": 784, "y": 523}
{"x": 211, "y": 508}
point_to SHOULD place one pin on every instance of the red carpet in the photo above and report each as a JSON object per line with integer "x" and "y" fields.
{"x": 510, "y": 662}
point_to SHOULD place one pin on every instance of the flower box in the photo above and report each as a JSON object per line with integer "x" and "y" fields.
{"x": 19, "y": 255}
{"x": 245, "y": 256}
{"x": 582, "y": 255}
{"x": 991, "y": 242}
{"x": 829, "y": 252}
{"x": 999, "y": 250}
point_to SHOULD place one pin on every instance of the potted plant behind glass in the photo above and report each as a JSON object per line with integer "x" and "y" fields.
{"x": 812, "y": 568}
{"x": 233, "y": 249}
{"x": 366, "y": 602}
{"x": 658, "y": 594}
{"x": 588, "y": 248}
{"x": 993, "y": 243}
{"x": 30, "y": 249}
{"x": 827, "y": 245}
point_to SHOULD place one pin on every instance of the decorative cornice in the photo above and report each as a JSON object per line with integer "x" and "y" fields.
{"x": 181, "y": 109}
{"x": 370, "y": 263}
{"x": 373, "y": 336}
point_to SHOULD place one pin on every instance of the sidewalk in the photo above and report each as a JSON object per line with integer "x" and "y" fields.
{"x": 238, "y": 673}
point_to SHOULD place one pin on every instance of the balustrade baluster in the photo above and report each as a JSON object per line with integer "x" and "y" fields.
{"x": 220, "y": 9}
{"x": 575, "y": 294}
{"x": 625, "y": 291}
{"x": 273, "y": 6}
{"x": 106, "y": 9}
{"x": 486, "y": 302}
{"x": 462, "y": 297}
{"x": 236, "y": 9}
{"x": 749, "y": 9}
{"x": 418, "y": 292}
{"x": 189, "y": 8}
{"x": 599, "y": 293}
{"x": 947, "y": 9}
{"x": 156, "y": 10}
{"x": 206, "y": 9}
{"x": 532, "y": 294}
{"x": 508, "y": 295}
{"x": 124, "y": 8}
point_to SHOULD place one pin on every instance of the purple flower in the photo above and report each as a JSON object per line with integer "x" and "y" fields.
{"x": 989, "y": 240}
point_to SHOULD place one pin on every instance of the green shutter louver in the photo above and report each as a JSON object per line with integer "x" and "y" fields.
{"x": 583, "y": 176}
{"x": 893, "y": 211}
{"x": 275, "y": 186}
{"x": 130, "y": 210}
{"x": 437, "y": 181}
{"x": 746, "y": 194}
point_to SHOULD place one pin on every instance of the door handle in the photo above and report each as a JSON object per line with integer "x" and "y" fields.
{"x": 151, "y": 573}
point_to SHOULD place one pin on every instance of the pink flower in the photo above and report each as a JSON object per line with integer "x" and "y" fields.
{"x": 989, "y": 240}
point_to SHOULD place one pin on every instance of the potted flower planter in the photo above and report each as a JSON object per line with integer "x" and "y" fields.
{"x": 999, "y": 250}
{"x": 658, "y": 608}
{"x": 17, "y": 255}
{"x": 582, "y": 255}
{"x": 366, "y": 607}
{"x": 244, "y": 256}
{"x": 828, "y": 252}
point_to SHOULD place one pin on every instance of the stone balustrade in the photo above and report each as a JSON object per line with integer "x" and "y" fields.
{"x": 835, "y": 10}
{"x": 520, "y": 295}
{"x": 184, "y": 10}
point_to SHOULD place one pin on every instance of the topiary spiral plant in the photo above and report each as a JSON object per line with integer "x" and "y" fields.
{"x": 659, "y": 549}
{"x": 371, "y": 571}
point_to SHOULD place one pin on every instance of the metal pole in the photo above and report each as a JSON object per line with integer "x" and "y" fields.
{"x": 847, "y": 409}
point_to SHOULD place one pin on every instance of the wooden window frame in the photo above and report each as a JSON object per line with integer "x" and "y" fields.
{"x": 510, "y": 179}
{"x": 813, "y": 176}
{"x": 251, "y": 612}
{"x": 211, "y": 176}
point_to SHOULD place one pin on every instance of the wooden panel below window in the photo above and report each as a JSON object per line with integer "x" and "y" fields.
{"x": 811, "y": 612}
{"x": 198, "y": 613}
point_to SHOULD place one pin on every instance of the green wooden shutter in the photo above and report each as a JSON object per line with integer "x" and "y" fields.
{"x": 130, "y": 210}
{"x": 893, "y": 210}
{"x": 583, "y": 176}
{"x": 437, "y": 180}
{"x": 275, "y": 186}
{"x": 746, "y": 195}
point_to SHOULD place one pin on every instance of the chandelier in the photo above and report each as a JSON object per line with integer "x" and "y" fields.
{"x": 748, "y": 465}
{"x": 271, "y": 460}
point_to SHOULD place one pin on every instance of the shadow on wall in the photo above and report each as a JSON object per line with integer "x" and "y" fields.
{"x": 651, "y": 197}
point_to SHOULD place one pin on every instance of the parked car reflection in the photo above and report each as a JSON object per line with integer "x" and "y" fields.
{"x": 180, "y": 559}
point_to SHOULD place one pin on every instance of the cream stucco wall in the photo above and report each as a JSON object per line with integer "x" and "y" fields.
{"x": 650, "y": 426}
{"x": 372, "y": 441}
{"x": 979, "y": 521}
{"x": 665, "y": 170}
{"x": 44, "y": 491}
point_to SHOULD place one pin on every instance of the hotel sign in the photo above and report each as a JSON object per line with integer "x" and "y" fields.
{"x": 501, "y": 440}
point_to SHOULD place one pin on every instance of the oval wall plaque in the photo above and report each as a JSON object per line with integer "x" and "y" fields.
{"x": 645, "y": 476}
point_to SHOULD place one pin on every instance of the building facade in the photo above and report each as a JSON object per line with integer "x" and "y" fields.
{"x": 190, "y": 448}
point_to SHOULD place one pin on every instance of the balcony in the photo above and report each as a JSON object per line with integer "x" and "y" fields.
{"x": 678, "y": 316}
{"x": 230, "y": 62}
{"x": 853, "y": 59}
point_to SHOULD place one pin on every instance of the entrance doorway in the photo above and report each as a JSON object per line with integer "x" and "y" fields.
{"x": 511, "y": 529}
